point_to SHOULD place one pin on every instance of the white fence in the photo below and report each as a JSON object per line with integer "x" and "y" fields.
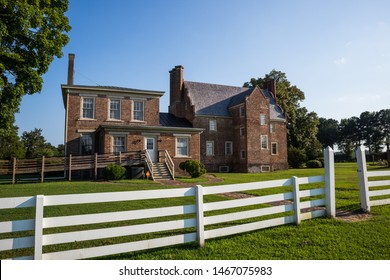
{"x": 285, "y": 202}
{"x": 371, "y": 191}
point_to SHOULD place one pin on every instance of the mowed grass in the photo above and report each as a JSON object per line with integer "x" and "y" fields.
{"x": 321, "y": 238}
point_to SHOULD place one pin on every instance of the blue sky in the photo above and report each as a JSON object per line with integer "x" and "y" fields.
{"x": 337, "y": 52}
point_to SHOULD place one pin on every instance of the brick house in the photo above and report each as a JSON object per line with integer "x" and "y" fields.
{"x": 103, "y": 120}
{"x": 244, "y": 128}
{"x": 227, "y": 128}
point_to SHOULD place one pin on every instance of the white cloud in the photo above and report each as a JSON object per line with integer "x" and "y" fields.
{"x": 340, "y": 61}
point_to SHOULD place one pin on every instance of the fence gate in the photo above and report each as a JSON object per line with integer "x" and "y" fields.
{"x": 371, "y": 192}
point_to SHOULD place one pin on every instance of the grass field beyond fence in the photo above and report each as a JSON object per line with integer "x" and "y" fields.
{"x": 368, "y": 237}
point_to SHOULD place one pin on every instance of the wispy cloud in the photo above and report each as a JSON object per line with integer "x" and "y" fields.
{"x": 340, "y": 61}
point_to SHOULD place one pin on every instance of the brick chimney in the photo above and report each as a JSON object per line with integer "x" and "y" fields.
{"x": 71, "y": 69}
{"x": 271, "y": 86}
{"x": 176, "y": 87}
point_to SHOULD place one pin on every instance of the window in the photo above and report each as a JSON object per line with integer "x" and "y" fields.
{"x": 228, "y": 148}
{"x": 271, "y": 128}
{"x": 243, "y": 154}
{"x": 119, "y": 144}
{"x": 242, "y": 111}
{"x": 209, "y": 148}
{"x": 242, "y": 131}
{"x": 263, "y": 119}
{"x": 138, "y": 110}
{"x": 88, "y": 107}
{"x": 86, "y": 144}
{"x": 274, "y": 148}
{"x": 115, "y": 109}
{"x": 182, "y": 146}
{"x": 264, "y": 142}
{"x": 265, "y": 168}
{"x": 213, "y": 125}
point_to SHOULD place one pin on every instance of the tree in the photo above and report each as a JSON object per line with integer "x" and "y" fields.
{"x": 371, "y": 132}
{"x": 11, "y": 146}
{"x": 36, "y": 146}
{"x": 32, "y": 33}
{"x": 350, "y": 136}
{"x": 328, "y": 132}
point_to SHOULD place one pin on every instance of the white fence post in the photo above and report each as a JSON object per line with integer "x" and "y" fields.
{"x": 363, "y": 179}
{"x": 297, "y": 200}
{"x": 38, "y": 227}
{"x": 199, "y": 216}
{"x": 330, "y": 196}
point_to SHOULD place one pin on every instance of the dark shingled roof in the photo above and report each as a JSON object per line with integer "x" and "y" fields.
{"x": 169, "y": 120}
{"x": 215, "y": 100}
{"x": 212, "y": 99}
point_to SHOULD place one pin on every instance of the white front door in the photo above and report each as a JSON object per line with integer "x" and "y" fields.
{"x": 150, "y": 146}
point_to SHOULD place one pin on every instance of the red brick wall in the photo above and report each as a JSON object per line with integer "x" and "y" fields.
{"x": 76, "y": 124}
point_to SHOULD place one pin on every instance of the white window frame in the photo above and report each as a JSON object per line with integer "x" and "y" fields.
{"x": 209, "y": 152}
{"x": 242, "y": 111}
{"x": 134, "y": 111}
{"x": 213, "y": 125}
{"x": 264, "y": 139}
{"x": 271, "y": 128}
{"x": 82, "y": 107}
{"x": 227, "y": 152}
{"x": 242, "y": 131}
{"x": 114, "y": 145}
{"x": 177, "y": 154}
{"x": 119, "y": 109}
{"x": 242, "y": 154}
{"x": 263, "y": 119}
{"x": 272, "y": 148}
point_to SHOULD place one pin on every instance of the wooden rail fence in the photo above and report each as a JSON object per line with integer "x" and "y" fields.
{"x": 372, "y": 193}
{"x": 195, "y": 222}
{"x": 67, "y": 164}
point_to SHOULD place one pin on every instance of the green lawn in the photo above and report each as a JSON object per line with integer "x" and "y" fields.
{"x": 321, "y": 238}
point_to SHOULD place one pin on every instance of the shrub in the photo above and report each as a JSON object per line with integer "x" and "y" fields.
{"x": 314, "y": 164}
{"x": 193, "y": 167}
{"x": 296, "y": 157}
{"x": 114, "y": 172}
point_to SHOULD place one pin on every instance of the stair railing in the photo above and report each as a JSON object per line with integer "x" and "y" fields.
{"x": 170, "y": 164}
{"x": 149, "y": 163}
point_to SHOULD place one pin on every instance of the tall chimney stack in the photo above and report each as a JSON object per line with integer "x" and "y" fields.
{"x": 71, "y": 69}
{"x": 176, "y": 87}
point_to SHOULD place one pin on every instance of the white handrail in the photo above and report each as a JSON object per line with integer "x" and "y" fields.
{"x": 170, "y": 164}
{"x": 149, "y": 163}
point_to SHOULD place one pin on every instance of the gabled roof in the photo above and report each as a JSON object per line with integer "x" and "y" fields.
{"x": 212, "y": 99}
{"x": 275, "y": 111}
{"x": 215, "y": 100}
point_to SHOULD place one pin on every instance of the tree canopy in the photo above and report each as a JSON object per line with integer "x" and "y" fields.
{"x": 32, "y": 34}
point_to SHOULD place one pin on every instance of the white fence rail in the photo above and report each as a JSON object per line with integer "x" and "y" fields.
{"x": 287, "y": 202}
{"x": 370, "y": 195}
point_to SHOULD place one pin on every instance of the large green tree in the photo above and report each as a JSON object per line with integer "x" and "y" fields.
{"x": 32, "y": 34}
{"x": 36, "y": 146}
{"x": 11, "y": 145}
{"x": 328, "y": 132}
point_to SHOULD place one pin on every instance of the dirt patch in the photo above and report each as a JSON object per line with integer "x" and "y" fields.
{"x": 352, "y": 216}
